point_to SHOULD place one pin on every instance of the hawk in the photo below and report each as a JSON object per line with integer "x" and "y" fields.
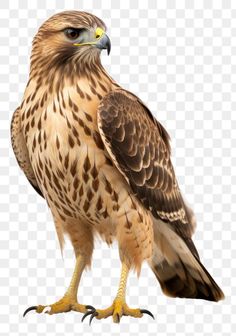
{"x": 102, "y": 162}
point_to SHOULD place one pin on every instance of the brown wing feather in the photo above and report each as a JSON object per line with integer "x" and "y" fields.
{"x": 139, "y": 146}
{"x": 21, "y": 152}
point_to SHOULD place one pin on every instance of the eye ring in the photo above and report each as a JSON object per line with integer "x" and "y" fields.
{"x": 72, "y": 33}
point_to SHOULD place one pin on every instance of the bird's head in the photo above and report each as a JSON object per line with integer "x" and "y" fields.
{"x": 70, "y": 40}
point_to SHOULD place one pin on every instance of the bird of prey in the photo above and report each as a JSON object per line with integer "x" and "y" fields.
{"x": 102, "y": 162}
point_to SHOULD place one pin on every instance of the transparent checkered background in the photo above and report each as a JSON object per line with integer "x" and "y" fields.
{"x": 180, "y": 58}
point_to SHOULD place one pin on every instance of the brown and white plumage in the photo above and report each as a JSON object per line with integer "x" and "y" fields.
{"x": 139, "y": 146}
{"x": 102, "y": 162}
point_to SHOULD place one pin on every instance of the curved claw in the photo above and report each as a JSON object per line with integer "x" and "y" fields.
{"x": 145, "y": 311}
{"x": 90, "y": 307}
{"x": 87, "y": 314}
{"x": 29, "y": 309}
{"x": 92, "y": 316}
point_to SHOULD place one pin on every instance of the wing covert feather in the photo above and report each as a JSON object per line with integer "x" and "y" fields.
{"x": 21, "y": 151}
{"x": 139, "y": 146}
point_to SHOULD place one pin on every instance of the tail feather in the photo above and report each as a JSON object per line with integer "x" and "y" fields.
{"x": 178, "y": 270}
{"x": 189, "y": 287}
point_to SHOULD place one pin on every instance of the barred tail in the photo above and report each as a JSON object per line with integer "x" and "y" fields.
{"x": 195, "y": 284}
{"x": 179, "y": 270}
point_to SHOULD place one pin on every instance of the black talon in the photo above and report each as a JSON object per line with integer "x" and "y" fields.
{"x": 87, "y": 314}
{"x": 145, "y": 311}
{"x": 92, "y": 316}
{"x": 90, "y": 307}
{"x": 29, "y": 309}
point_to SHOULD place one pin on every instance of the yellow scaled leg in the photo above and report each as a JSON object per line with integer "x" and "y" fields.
{"x": 69, "y": 301}
{"x": 119, "y": 307}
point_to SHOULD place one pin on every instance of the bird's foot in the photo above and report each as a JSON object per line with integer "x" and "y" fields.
{"x": 64, "y": 305}
{"x": 118, "y": 309}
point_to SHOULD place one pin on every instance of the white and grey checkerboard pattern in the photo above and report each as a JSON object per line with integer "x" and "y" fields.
{"x": 180, "y": 58}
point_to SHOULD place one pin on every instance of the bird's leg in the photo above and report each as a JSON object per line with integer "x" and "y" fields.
{"x": 69, "y": 301}
{"x": 119, "y": 306}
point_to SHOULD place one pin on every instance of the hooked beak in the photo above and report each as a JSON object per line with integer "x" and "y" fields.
{"x": 104, "y": 43}
{"x": 101, "y": 41}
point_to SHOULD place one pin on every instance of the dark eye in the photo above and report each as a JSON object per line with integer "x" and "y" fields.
{"x": 72, "y": 33}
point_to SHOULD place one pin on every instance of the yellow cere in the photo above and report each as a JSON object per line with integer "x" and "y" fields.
{"x": 98, "y": 34}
